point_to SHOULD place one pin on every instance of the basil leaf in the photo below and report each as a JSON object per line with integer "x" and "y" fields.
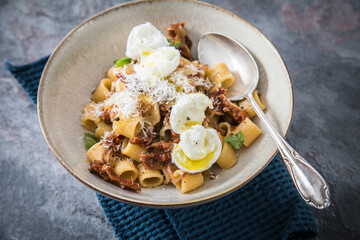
{"x": 236, "y": 140}
{"x": 122, "y": 61}
{"x": 174, "y": 44}
{"x": 177, "y": 44}
{"x": 170, "y": 41}
{"x": 90, "y": 140}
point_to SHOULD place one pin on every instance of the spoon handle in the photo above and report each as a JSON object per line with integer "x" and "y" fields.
{"x": 309, "y": 183}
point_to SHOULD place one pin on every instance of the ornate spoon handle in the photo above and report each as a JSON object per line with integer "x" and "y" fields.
{"x": 309, "y": 183}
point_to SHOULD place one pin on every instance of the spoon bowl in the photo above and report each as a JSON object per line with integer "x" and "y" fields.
{"x": 214, "y": 48}
{"x": 236, "y": 57}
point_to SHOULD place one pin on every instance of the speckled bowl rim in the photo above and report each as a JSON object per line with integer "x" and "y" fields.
{"x": 134, "y": 201}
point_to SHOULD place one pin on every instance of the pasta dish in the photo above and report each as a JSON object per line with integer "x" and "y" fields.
{"x": 161, "y": 117}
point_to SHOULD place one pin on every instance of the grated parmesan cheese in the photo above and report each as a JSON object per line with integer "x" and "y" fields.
{"x": 123, "y": 102}
{"x": 145, "y": 127}
{"x": 192, "y": 67}
{"x": 144, "y": 82}
{"x": 96, "y": 110}
{"x": 181, "y": 81}
{"x": 202, "y": 82}
{"x": 141, "y": 81}
{"x": 107, "y": 134}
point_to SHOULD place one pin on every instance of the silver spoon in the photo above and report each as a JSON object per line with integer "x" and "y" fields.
{"x": 214, "y": 48}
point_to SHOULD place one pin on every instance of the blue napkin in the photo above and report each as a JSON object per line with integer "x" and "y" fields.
{"x": 268, "y": 207}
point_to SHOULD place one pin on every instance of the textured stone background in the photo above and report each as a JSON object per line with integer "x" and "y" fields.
{"x": 319, "y": 41}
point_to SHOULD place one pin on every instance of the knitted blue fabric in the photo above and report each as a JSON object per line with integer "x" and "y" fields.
{"x": 268, "y": 207}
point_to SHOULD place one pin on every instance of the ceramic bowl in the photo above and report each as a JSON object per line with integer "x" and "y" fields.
{"x": 81, "y": 59}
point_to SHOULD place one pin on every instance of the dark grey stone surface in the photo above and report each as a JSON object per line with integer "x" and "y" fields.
{"x": 319, "y": 41}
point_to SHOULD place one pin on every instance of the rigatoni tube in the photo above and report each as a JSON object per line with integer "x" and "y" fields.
{"x": 189, "y": 181}
{"x": 132, "y": 150}
{"x": 227, "y": 157}
{"x": 95, "y": 152}
{"x": 245, "y": 105}
{"x": 91, "y": 116}
{"x": 127, "y": 127}
{"x": 249, "y": 130}
{"x": 126, "y": 169}
{"x": 149, "y": 177}
{"x": 220, "y": 73}
{"x": 102, "y": 90}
